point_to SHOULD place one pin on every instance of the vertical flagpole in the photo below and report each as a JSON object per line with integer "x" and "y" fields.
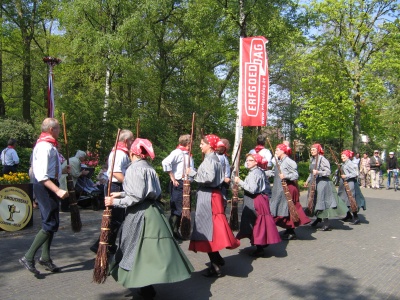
{"x": 51, "y": 62}
{"x": 239, "y": 127}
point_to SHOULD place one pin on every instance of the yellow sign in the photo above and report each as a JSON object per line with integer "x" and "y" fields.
{"x": 15, "y": 209}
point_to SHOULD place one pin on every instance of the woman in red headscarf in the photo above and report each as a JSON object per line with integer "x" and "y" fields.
{"x": 349, "y": 174}
{"x": 211, "y": 231}
{"x": 326, "y": 202}
{"x": 256, "y": 222}
{"x": 279, "y": 204}
{"x": 147, "y": 251}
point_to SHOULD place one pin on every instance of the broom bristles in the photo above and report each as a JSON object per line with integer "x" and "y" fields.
{"x": 293, "y": 212}
{"x": 100, "y": 271}
{"x": 76, "y": 223}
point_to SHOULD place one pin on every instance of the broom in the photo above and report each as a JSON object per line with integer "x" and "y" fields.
{"x": 234, "y": 216}
{"x": 294, "y": 216}
{"x": 100, "y": 271}
{"x": 185, "y": 219}
{"x": 310, "y": 206}
{"x": 76, "y": 223}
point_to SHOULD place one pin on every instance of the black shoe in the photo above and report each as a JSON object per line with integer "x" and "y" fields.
{"x": 289, "y": 237}
{"x": 325, "y": 228}
{"x": 94, "y": 248}
{"x": 315, "y": 223}
{"x": 356, "y": 222}
{"x": 29, "y": 265}
{"x": 257, "y": 253}
{"x": 49, "y": 266}
{"x": 346, "y": 219}
{"x": 213, "y": 271}
{"x": 147, "y": 292}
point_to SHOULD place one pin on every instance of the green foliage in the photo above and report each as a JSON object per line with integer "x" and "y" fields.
{"x": 23, "y": 132}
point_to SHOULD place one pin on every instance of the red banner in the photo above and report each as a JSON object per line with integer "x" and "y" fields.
{"x": 254, "y": 81}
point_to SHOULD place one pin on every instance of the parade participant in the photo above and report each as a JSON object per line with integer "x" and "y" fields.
{"x": 349, "y": 175}
{"x": 46, "y": 170}
{"x": 364, "y": 171}
{"x": 391, "y": 164}
{"x": 326, "y": 202}
{"x": 75, "y": 172}
{"x": 9, "y": 157}
{"x": 222, "y": 148}
{"x": 147, "y": 252}
{"x": 175, "y": 164}
{"x": 264, "y": 152}
{"x": 375, "y": 163}
{"x": 122, "y": 162}
{"x": 256, "y": 222}
{"x": 211, "y": 231}
{"x": 279, "y": 203}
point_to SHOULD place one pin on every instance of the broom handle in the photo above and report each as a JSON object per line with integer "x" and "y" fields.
{"x": 112, "y": 164}
{"x": 65, "y": 137}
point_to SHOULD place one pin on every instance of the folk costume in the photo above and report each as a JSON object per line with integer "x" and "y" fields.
{"x": 9, "y": 158}
{"x": 211, "y": 231}
{"x": 176, "y": 164}
{"x": 223, "y": 158}
{"x": 278, "y": 204}
{"x": 349, "y": 174}
{"x": 46, "y": 170}
{"x": 147, "y": 251}
{"x": 256, "y": 222}
{"x": 121, "y": 163}
{"x": 327, "y": 204}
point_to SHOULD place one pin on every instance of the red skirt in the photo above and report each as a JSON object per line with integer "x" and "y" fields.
{"x": 286, "y": 222}
{"x": 222, "y": 233}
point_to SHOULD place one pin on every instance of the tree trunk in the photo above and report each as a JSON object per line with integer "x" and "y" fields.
{"x": 2, "y": 104}
{"x": 357, "y": 121}
{"x": 26, "y": 80}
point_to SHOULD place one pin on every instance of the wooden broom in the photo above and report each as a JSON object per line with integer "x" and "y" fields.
{"x": 186, "y": 214}
{"x": 76, "y": 223}
{"x": 100, "y": 271}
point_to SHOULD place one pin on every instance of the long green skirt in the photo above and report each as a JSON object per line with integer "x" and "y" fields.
{"x": 158, "y": 257}
{"x": 340, "y": 210}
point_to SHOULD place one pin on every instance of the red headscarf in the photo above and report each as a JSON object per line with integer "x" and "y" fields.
{"x": 319, "y": 148}
{"x": 284, "y": 148}
{"x": 212, "y": 140}
{"x": 348, "y": 153}
{"x": 261, "y": 161}
{"x": 142, "y": 148}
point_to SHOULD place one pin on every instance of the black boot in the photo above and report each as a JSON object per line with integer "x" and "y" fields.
{"x": 348, "y": 217}
{"x": 315, "y": 223}
{"x": 174, "y": 221}
{"x": 356, "y": 220}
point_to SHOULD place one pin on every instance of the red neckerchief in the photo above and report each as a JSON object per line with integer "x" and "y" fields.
{"x": 258, "y": 148}
{"x": 122, "y": 146}
{"x": 11, "y": 147}
{"x": 47, "y": 137}
{"x": 183, "y": 148}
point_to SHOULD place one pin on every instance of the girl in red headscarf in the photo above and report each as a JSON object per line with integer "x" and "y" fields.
{"x": 279, "y": 204}
{"x": 256, "y": 222}
{"x": 147, "y": 251}
{"x": 326, "y": 203}
{"x": 211, "y": 231}
{"x": 349, "y": 174}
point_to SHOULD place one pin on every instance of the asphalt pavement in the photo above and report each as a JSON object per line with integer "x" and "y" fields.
{"x": 350, "y": 262}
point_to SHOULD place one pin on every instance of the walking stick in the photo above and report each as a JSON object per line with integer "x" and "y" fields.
{"x": 137, "y": 128}
{"x": 234, "y": 217}
{"x": 353, "y": 203}
{"x": 76, "y": 223}
{"x": 310, "y": 206}
{"x": 100, "y": 271}
{"x": 292, "y": 208}
{"x": 186, "y": 215}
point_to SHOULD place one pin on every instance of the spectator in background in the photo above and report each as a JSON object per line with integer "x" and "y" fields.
{"x": 375, "y": 164}
{"x": 9, "y": 157}
{"x": 356, "y": 159}
{"x": 261, "y": 150}
{"x": 391, "y": 164}
{"x": 365, "y": 171}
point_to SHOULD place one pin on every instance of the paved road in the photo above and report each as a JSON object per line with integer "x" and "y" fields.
{"x": 349, "y": 262}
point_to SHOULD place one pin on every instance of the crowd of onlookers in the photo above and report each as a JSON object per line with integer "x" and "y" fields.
{"x": 371, "y": 169}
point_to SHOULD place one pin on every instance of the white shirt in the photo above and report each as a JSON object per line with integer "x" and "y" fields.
{"x": 9, "y": 157}
{"x": 176, "y": 161}
{"x": 45, "y": 162}
{"x": 122, "y": 162}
